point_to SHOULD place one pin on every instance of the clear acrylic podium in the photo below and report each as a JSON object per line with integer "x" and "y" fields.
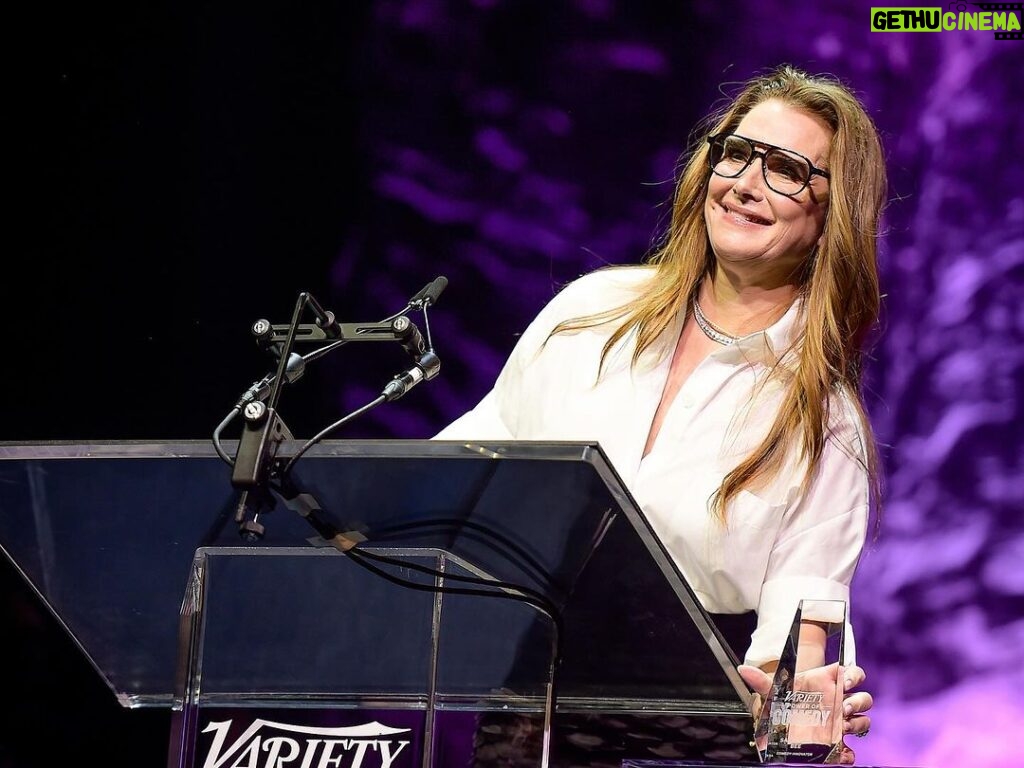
{"x": 509, "y": 605}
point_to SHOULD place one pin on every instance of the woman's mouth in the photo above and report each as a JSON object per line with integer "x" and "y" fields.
{"x": 746, "y": 217}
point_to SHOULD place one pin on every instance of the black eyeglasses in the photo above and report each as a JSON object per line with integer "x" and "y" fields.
{"x": 785, "y": 171}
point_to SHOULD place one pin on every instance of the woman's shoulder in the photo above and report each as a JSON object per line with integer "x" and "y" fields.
{"x": 601, "y": 290}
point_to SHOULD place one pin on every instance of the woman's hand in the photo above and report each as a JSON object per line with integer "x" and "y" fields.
{"x": 855, "y": 703}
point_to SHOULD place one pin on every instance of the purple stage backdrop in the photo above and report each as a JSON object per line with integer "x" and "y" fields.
{"x": 515, "y": 145}
{"x": 189, "y": 164}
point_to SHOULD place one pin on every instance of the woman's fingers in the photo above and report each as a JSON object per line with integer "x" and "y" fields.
{"x": 854, "y": 676}
{"x": 756, "y": 678}
{"x": 858, "y": 725}
{"x": 858, "y": 702}
{"x": 855, "y": 704}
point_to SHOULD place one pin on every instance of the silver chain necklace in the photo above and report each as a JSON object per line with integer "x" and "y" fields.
{"x": 713, "y": 333}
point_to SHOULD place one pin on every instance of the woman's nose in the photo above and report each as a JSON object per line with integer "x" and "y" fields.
{"x": 751, "y": 182}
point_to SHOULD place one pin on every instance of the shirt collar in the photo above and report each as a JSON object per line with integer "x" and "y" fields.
{"x": 759, "y": 347}
{"x": 767, "y": 345}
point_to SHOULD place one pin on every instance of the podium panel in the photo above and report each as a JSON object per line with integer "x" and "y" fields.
{"x": 506, "y": 600}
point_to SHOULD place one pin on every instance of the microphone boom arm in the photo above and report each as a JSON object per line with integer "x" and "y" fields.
{"x": 399, "y": 329}
{"x": 256, "y": 463}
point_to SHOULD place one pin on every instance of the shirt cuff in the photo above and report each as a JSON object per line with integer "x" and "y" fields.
{"x": 779, "y": 601}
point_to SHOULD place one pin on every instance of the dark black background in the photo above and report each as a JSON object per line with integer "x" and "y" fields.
{"x": 180, "y": 174}
{"x": 176, "y": 172}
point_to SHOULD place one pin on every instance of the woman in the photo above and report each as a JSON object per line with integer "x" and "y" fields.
{"x": 722, "y": 378}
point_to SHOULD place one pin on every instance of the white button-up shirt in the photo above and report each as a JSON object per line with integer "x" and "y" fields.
{"x": 781, "y": 543}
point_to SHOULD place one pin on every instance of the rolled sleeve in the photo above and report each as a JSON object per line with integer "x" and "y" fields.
{"x": 817, "y": 549}
{"x": 779, "y": 600}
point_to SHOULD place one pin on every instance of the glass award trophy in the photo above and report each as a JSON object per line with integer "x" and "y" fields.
{"x": 801, "y": 718}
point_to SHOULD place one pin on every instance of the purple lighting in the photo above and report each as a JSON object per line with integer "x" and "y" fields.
{"x": 545, "y": 154}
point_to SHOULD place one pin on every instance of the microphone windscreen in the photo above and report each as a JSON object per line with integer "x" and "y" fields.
{"x": 435, "y": 288}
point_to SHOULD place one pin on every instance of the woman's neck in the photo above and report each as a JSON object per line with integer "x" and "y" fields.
{"x": 740, "y": 308}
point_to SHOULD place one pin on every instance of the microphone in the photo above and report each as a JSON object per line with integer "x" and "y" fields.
{"x": 434, "y": 291}
{"x": 429, "y": 294}
{"x": 428, "y": 365}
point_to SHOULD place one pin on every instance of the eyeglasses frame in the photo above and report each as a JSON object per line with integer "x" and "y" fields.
{"x": 755, "y": 153}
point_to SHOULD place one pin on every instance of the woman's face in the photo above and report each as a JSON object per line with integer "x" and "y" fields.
{"x": 755, "y": 231}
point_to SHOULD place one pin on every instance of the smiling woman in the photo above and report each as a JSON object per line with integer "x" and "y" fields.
{"x": 723, "y": 378}
{"x": 761, "y": 235}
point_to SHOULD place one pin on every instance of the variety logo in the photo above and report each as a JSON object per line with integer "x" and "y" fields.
{"x": 800, "y": 708}
{"x": 266, "y": 744}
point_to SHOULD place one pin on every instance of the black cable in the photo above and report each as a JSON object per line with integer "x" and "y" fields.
{"x": 540, "y": 600}
{"x": 426, "y": 328}
{"x": 543, "y": 604}
{"x": 321, "y": 351}
{"x": 326, "y": 431}
{"x": 405, "y": 311}
{"x": 497, "y": 542}
{"x": 501, "y": 544}
{"x": 216, "y": 435}
{"x": 526, "y": 595}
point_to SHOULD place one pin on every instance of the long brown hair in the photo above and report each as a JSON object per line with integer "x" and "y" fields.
{"x": 838, "y": 284}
